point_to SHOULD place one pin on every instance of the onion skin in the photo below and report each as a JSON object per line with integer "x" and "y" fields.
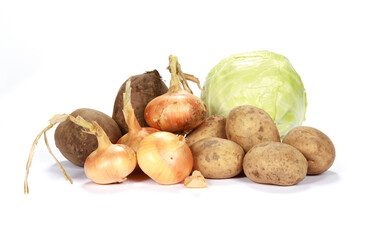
{"x": 176, "y": 112}
{"x": 110, "y": 165}
{"x": 165, "y": 158}
{"x": 134, "y": 141}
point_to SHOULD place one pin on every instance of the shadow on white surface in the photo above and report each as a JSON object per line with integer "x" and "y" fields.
{"x": 326, "y": 178}
{"x": 139, "y": 181}
{"x": 75, "y": 172}
{"x": 114, "y": 188}
{"x": 136, "y": 181}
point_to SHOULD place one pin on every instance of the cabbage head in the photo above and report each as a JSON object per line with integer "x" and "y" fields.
{"x": 262, "y": 79}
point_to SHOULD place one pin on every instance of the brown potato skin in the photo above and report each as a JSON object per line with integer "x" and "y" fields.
{"x": 76, "y": 145}
{"x": 217, "y": 157}
{"x": 145, "y": 87}
{"x": 316, "y": 147}
{"x": 248, "y": 125}
{"x": 213, "y": 126}
{"x": 275, "y": 163}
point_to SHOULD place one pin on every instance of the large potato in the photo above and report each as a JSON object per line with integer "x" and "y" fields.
{"x": 316, "y": 147}
{"x": 217, "y": 157}
{"x": 248, "y": 125}
{"x": 75, "y": 144}
{"x": 213, "y": 126}
{"x": 275, "y": 163}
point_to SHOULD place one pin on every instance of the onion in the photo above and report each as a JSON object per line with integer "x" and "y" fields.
{"x": 165, "y": 157}
{"x": 178, "y": 110}
{"x": 135, "y": 132}
{"x": 109, "y": 163}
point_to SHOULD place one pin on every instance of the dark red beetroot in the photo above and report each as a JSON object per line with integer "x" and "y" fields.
{"x": 145, "y": 87}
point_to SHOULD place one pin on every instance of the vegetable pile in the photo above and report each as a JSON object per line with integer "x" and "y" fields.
{"x": 256, "y": 103}
{"x": 263, "y": 79}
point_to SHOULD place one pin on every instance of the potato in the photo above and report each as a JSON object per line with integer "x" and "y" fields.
{"x": 248, "y": 125}
{"x": 217, "y": 157}
{"x": 145, "y": 87}
{"x": 275, "y": 163}
{"x": 316, "y": 147}
{"x": 213, "y": 126}
{"x": 75, "y": 144}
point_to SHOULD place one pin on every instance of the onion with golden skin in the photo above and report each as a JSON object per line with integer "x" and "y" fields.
{"x": 165, "y": 157}
{"x": 174, "y": 112}
{"x": 178, "y": 110}
{"x": 109, "y": 163}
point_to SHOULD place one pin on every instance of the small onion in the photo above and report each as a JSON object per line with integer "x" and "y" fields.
{"x": 109, "y": 163}
{"x": 165, "y": 157}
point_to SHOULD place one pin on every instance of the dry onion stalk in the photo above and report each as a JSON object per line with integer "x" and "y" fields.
{"x": 58, "y": 118}
{"x": 135, "y": 132}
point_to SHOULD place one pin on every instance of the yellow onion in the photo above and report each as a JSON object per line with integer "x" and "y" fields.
{"x": 109, "y": 163}
{"x": 178, "y": 110}
{"x": 165, "y": 157}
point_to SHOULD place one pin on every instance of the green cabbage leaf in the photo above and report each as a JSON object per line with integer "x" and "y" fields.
{"x": 262, "y": 79}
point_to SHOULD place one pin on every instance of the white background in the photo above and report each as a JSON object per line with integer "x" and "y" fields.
{"x": 57, "y": 56}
